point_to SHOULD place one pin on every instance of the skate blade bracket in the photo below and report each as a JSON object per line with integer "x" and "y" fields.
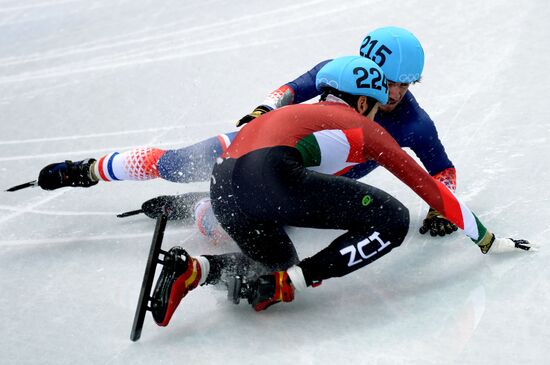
{"x": 144, "y": 302}
{"x": 130, "y": 213}
{"x": 234, "y": 285}
{"x": 239, "y": 287}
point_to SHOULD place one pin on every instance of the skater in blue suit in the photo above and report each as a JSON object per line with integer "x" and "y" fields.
{"x": 401, "y": 57}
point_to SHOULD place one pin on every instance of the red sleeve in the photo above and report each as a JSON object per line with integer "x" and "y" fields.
{"x": 380, "y": 146}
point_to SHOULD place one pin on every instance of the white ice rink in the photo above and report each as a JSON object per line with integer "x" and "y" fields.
{"x": 82, "y": 78}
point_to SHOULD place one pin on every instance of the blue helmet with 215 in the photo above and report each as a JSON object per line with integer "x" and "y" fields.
{"x": 397, "y": 51}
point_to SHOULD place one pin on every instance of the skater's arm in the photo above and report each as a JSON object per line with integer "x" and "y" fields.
{"x": 385, "y": 150}
{"x": 425, "y": 143}
{"x": 303, "y": 89}
{"x": 294, "y": 92}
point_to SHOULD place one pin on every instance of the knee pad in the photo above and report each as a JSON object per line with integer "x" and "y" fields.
{"x": 206, "y": 221}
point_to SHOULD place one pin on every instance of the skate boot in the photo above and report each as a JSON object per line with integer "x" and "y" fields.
{"x": 180, "y": 274}
{"x": 177, "y": 207}
{"x": 68, "y": 173}
{"x": 271, "y": 289}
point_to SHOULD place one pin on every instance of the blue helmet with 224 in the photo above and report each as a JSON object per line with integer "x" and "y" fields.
{"x": 397, "y": 51}
{"x": 354, "y": 75}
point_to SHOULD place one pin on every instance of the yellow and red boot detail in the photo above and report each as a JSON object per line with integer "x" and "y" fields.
{"x": 271, "y": 289}
{"x": 181, "y": 273}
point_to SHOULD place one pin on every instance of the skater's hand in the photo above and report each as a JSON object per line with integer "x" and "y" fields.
{"x": 259, "y": 110}
{"x": 501, "y": 245}
{"x": 436, "y": 224}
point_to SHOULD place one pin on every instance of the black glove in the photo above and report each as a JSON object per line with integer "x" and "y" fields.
{"x": 436, "y": 224}
{"x": 261, "y": 109}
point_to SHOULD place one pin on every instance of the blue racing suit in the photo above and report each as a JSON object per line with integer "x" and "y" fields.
{"x": 408, "y": 124}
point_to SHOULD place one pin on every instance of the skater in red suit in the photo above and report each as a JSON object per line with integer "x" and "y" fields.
{"x": 282, "y": 169}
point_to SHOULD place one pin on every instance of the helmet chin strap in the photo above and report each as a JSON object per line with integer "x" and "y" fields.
{"x": 372, "y": 103}
{"x": 334, "y": 99}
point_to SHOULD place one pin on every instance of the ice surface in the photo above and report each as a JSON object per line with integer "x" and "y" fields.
{"x": 82, "y": 78}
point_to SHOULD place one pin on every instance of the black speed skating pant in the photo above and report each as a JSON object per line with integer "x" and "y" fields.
{"x": 256, "y": 195}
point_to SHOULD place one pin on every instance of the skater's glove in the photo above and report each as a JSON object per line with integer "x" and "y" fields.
{"x": 501, "y": 245}
{"x": 261, "y": 109}
{"x": 436, "y": 224}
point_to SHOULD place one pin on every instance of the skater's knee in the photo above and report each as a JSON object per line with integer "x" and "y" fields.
{"x": 402, "y": 224}
{"x": 396, "y": 225}
{"x": 172, "y": 167}
{"x": 183, "y": 166}
{"x": 400, "y": 227}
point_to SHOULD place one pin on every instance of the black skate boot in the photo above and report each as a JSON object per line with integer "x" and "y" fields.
{"x": 176, "y": 207}
{"x": 68, "y": 173}
{"x": 180, "y": 274}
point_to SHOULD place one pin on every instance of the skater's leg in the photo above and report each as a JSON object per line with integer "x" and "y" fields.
{"x": 193, "y": 163}
{"x": 274, "y": 186}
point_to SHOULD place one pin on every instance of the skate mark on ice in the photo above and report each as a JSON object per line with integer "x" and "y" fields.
{"x": 110, "y": 134}
{"x": 172, "y": 48}
{"x": 109, "y": 238}
{"x": 131, "y": 39}
{"x": 168, "y": 50}
{"x": 36, "y": 6}
{"x": 66, "y": 154}
{"x": 31, "y": 206}
{"x": 56, "y": 212}
{"x": 38, "y": 91}
{"x": 88, "y": 153}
